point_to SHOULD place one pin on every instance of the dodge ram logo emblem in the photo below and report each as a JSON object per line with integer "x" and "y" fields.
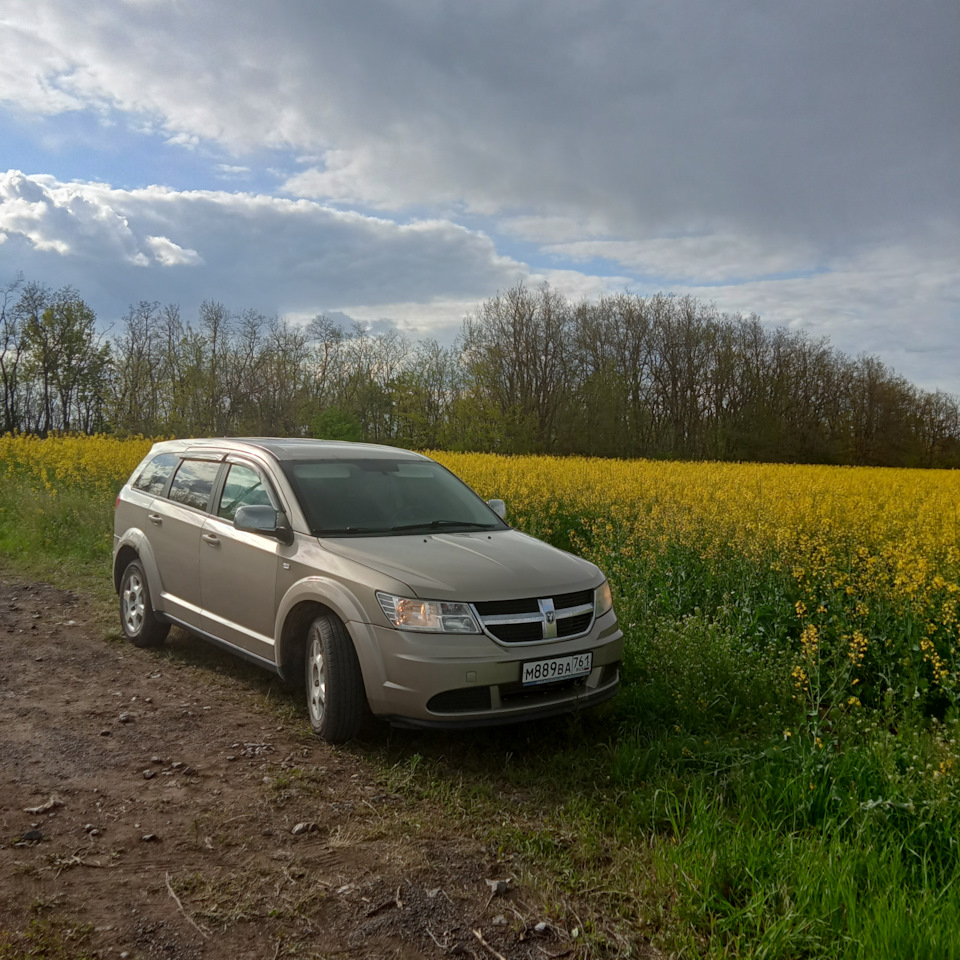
{"x": 549, "y": 614}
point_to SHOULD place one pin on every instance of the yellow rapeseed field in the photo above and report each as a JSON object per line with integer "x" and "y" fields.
{"x": 99, "y": 464}
{"x": 864, "y": 549}
{"x": 873, "y": 555}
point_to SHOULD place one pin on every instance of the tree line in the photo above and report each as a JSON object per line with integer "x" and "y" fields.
{"x": 530, "y": 372}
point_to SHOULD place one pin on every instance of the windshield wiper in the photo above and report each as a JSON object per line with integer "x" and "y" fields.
{"x": 437, "y": 524}
{"x": 333, "y": 531}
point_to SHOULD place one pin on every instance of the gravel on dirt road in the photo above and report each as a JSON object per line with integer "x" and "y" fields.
{"x": 157, "y": 804}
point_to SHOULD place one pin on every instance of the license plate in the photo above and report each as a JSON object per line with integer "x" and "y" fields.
{"x": 557, "y": 668}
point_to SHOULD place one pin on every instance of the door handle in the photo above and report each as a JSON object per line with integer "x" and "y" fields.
{"x": 212, "y": 539}
{"x": 155, "y": 518}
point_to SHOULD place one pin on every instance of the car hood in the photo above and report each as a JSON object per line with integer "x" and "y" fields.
{"x": 473, "y": 567}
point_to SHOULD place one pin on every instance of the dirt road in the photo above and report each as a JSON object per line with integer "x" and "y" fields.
{"x": 172, "y": 804}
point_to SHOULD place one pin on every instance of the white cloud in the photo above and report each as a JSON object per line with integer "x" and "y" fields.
{"x": 273, "y": 254}
{"x": 897, "y": 301}
{"x": 171, "y": 254}
{"x": 802, "y": 120}
{"x": 710, "y": 258}
{"x": 68, "y": 219}
{"x": 231, "y": 171}
{"x": 797, "y": 160}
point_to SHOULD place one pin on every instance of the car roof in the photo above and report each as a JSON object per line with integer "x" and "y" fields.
{"x": 289, "y": 448}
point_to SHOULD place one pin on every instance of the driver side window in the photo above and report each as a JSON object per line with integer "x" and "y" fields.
{"x": 243, "y": 487}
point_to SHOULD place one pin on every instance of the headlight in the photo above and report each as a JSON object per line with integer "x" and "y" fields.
{"x": 602, "y": 599}
{"x": 431, "y": 616}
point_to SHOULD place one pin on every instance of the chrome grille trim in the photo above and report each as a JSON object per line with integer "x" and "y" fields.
{"x": 548, "y": 618}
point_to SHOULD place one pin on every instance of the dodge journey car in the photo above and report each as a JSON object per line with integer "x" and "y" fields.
{"x": 369, "y": 575}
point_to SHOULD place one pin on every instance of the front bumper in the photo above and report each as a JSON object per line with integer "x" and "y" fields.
{"x": 432, "y": 680}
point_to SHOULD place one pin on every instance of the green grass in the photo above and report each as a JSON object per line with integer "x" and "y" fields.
{"x": 713, "y": 809}
{"x": 42, "y": 938}
{"x": 65, "y": 537}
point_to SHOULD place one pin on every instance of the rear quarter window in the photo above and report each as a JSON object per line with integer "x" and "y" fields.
{"x": 153, "y": 477}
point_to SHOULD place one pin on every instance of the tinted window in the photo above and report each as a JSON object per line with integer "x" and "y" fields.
{"x": 193, "y": 483}
{"x": 377, "y": 496}
{"x": 244, "y": 487}
{"x": 153, "y": 478}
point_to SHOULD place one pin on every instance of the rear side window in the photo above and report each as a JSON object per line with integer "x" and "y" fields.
{"x": 193, "y": 483}
{"x": 153, "y": 478}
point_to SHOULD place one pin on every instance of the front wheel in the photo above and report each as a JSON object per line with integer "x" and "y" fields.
{"x": 336, "y": 701}
{"x": 140, "y": 624}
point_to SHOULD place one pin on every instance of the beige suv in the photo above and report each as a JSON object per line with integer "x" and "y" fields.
{"x": 370, "y": 575}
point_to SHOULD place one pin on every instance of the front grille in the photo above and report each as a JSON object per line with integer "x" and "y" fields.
{"x": 572, "y": 626}
{"x": 505, "y": 607}
{"x": 518, "y": 632}
{"x": 533, "y": 619}
{"x": 476, "y": 699}
{"x": 463, "y": 700}
{"x": 577, "y": 599}
{"x": 514, "y": 693}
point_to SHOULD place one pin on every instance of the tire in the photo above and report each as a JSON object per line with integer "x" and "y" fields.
{"x": 336, "y": 700}
{"x": 137, "y": 618}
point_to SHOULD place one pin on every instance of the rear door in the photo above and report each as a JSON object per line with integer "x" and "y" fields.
{"x": 173, "y": 525}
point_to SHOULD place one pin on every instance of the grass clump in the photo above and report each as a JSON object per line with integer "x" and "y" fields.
{"x": 43, "y": 938}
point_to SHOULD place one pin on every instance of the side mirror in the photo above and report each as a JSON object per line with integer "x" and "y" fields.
{"x": 499, "y": 508}
{"x": 257, "y": 518}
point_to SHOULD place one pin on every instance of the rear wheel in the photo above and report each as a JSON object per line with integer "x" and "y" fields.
{"x": 140, "y": 624}
{"x": 336, "y": 701}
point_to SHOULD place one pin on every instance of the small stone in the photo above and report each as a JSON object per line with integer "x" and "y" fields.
{"x": 306, "y": 827}
{"x": 149, "y": 774}
{"x": 106, "y": 733}
{"x": 50, "y": 804}
{"x": 32, "y": 836}
{"x": 542, "y": 927}
{"x": 150, "y": 838}
{"x": 498, "y": 888}
{"x": 499, "y": 920}
{"x": 125, "y": 718}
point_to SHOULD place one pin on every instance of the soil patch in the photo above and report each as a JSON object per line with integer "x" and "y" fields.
{"x": 157, "y": 804}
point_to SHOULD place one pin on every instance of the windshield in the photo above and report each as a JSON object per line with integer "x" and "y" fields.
{"x": 366, "y": 497}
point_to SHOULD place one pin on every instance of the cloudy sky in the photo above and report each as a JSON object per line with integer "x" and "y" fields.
{"x": 403, "y": 160}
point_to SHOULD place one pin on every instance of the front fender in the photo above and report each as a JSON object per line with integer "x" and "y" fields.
{"x": 333, "y": 595}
